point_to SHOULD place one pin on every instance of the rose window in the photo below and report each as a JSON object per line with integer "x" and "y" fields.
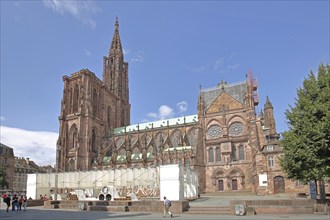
{"x": 214, "y": 131}
{"x": 236, "y": 129}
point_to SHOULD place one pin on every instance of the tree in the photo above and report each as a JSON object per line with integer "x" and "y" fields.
{"x": 3, "y": 182}
{"x": 306, "y": 145}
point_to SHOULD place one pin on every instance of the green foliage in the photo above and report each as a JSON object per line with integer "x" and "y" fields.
{"x": 306, "y": 144}
{"x": 3, "y": 182}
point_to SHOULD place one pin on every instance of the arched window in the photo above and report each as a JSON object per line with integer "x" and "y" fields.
{"x": 75, "y": 98}
{"x": 95, "y": 101}
{"x": 73, "y": 137}
{"x": 241, "y": 152}
{"x": 233, "y": 153}
{"x": 94, "y": 141}
{"x": 217, "y": 154}
{"x": 211, "y": 156}
{"x": 71, "y": 163}
{"x": 71, "y": 101}
{"x": 109, "y": 117}
{"x": 122, "y": 117}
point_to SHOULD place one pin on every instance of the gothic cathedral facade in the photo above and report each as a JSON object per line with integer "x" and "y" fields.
{"x": 230, "y": 146}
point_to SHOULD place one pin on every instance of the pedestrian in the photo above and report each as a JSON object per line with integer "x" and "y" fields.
{"x": 20, "y": 203}
{"x": 167, "y": 206}
{"x": 7, "y": 199}
{"x": 24, "y": 203}
{"x": 14, "y": 203}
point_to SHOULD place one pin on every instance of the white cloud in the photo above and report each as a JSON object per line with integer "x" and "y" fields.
{"x": 199, "y": 69}
{"x": 218, "y": 64}
{"x": 182, "y": 106}
{"x": 139, "y": 57}
{"x": 225, "y": 65}
{"x": 39, "y": 146}
{"x": 164, "y": 112}
{"x": 125, "y": 52}
{"x": 81, "y": 10}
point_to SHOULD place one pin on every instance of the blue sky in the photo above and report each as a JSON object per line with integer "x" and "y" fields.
{"x": 172, "y": 48}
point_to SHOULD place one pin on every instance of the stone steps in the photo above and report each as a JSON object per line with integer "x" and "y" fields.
{"x": 212, "y": 210}
{"x": 107, "y": 208}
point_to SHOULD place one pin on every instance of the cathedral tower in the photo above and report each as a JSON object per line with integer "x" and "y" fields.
{"x": 91, "y": 108}
{"x": 115, "y": 79}
{"x": 269, "y": 118}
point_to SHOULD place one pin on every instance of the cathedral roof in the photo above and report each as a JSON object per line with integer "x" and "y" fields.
{"x": 237, "y": 91}
{"x": 157, "y": 124}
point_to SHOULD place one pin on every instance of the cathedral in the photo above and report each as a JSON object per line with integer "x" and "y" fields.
{"x": 229, "y": 145}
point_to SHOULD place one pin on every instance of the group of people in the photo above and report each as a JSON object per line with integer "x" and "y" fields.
{"x": 15, "y": 201}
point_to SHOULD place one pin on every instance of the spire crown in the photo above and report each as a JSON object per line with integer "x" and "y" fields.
{"x": 116, "y": 43}
{"x": 268, "y": 104}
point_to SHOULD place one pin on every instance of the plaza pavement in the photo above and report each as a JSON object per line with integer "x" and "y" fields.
{"x": 40, "y": 213}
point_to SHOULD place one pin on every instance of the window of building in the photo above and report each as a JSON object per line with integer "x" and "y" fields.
{"x": 233, "y": 153}
{"x": 241, "y": 152}
{"x": 214, "y": 131}
{"x": 76, "y": 98}
{"x": 270, "y": 148}
{"x": 218, "y": 153}
{"x": 211, "y": 156}
{"x": 271, "y": 161}
{"x": 236, "y": 129}
{"x": 94, "y": 141}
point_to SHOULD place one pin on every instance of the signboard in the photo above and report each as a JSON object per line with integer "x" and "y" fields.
{"x": 263, "y": 179}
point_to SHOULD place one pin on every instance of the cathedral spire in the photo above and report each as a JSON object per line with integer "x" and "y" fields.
{"x": 116, "y": 43}
{"x": 268, "y": 104}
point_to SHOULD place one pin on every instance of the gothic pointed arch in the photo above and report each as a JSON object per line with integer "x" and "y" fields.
{"x": 119, "y": 142}
{"x": 73, "y": 137}
{"x": 175, "y": 137}
{"x": 217, "y": 153}
{"x": 233, "y": 153}
{"x": 93, "y": 140}
{"x": 241, "y": 153}
{"x": 109, "y": 115}
{"x": 71, "y": 164}
{"x": 95, "y": 102}
{"x": 193, "y": 136}
{"x": 210, "y": 155}
{"x": 219, "y": 173}
{"x": 75, "y": 98}
{"x": 159, "y": 141}
{"x": 235, "y": 172}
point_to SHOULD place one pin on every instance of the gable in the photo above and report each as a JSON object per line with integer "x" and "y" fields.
{"x": 224, "y": 101}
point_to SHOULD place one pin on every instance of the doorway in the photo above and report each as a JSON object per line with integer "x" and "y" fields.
{"x": 234, "y": 184}
{"x": 220, "y": 184}
{"x": 279, "y": 184}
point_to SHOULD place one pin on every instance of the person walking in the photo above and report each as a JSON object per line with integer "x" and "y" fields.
{"x": 7, "y": 199}
{"x": 167, "y": 206}
{"x": 14, "y": 203}
{"x": 24, "y": 203}
{"x": 20, "y": 203}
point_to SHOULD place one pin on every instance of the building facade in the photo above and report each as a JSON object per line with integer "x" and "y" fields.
{"x": 16, "y": 169}
{"x": 231, "y": 147}
{"x": 7, "y": 164}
